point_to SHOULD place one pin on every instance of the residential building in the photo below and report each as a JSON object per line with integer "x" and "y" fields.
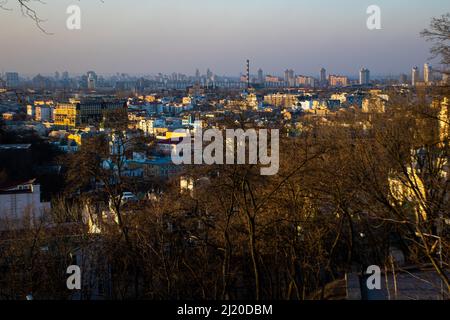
{"x": 323, "y": 76}
{"x": 427, "y": 74}
{"x": 12, "y": 79}
{"x": 364, "y": 76}
{"x": 304, "y": 81}
{"x": 20, "y": 204}
{"x": 281, "y": 100}
{"x": 260, "y": 76}
{"x": 415, "y": 76}
{"x": 338, "y": 81}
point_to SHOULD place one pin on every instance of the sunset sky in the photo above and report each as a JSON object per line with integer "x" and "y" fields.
{"x": 151, "y": 36}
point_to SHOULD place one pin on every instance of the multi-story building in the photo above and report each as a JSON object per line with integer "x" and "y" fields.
{"x": 12, "y": 79}
{"x": 342, "y": 97}
{"x": 31, "y": 112}
{"x": 273, "y": 81}
{"x": 403, "y": 79}
{"x": 304, "y": 81}
{"x": 323, "y": 76}
{"x": 91, "y": 81}
{"x": 252, "y": 101}
{"x": 20, "y": 204}
{"x": 415, "y": 74}
{"x": 337, "y": 81}
{"x": 427, "y": 73}
{"x": 147, "y": 126}
{"x": 44, "y": 113}
{"x": 364, "y": 76}
{"x": 289, "y": 77}
{"x": 444, "y": 124}
{"x": 374, "y": 105}
{"x": 260, "y": 76}
{"x": 281, "y": 100}
{"x": 77, "y": 114}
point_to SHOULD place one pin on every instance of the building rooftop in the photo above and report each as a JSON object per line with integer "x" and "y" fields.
{"x": 15, "y": 146}
{"x": 12, "y": 187}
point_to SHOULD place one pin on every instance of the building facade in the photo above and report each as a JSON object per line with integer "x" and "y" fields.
{"x": 337, "y": 81}
{"x": 20, "y": 204}
{"x": 78, "y": 114}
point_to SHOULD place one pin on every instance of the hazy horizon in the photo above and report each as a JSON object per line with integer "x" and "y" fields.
{"x": 148, "y": 37}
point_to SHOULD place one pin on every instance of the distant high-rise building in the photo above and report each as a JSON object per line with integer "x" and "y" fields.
{"x": 403, "y": 79}
{"x": 289, "y": 77}
{"x": 209, "y": 75}
{"x": 323, "y": 76}
{"x": 427, "y": 73}
{"x": 65, "y": 75}
{"x": 304, "y": 81}
{"x": 92, "y": 73}
{"x": 364, "y": 76}
{"x": 91, "y": 80}
{"x": 415, "y": 74}
{"x": 197, "y": 75}
{"x": 260, "y": 76}
{"x": 12, "y": 79}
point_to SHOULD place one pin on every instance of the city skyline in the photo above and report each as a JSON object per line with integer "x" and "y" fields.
{"x": 225, "y": 158}
{"x": 301, "y": 35}
{"x": 254, "y": 73}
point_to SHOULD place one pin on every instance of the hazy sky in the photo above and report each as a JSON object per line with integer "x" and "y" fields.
{"x": 151, "y": 36}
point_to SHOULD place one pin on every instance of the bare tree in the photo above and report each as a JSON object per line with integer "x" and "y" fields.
{"x": 28, "y": 9}
{"x": 439, "y": 34}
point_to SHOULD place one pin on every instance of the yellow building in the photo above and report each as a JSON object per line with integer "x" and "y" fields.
{"x": 187, "y": 100}
{"x": 168, "y": 135}
{"x": 77, "y": 137}
{"x": 375, "y": 104}
{"x": 160, "y": 131}
{"x": 252, "y": 101}
{"x": 148, "y": 99}
{"x": 77, "y": 114}
{"x": 8, "y": 116}
{"x": 281, "y": 100}
{"x": 43, "y": 103}
{"x": 444, "y": 126}
{"x": 66, "y": 115}
{"x": 409, "y": 188}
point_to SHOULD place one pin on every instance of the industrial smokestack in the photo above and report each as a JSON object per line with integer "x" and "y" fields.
{"x": 248, "y": 74}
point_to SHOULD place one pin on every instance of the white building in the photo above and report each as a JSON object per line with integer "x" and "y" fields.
{"x": 306, "y": 105}
{"x": 20, "y": 204}
{"x": 364, "y": 76}
{"x": 30, "y": 111}
{"x": 147, "y": 126}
